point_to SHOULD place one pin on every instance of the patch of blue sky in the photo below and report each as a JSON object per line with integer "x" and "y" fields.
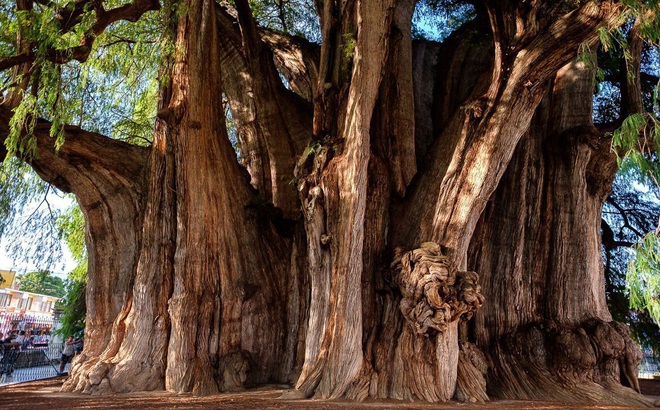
{"x": 435, "y": 23}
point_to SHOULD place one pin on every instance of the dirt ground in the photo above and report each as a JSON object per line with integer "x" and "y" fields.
{"x": 45, "y": 395}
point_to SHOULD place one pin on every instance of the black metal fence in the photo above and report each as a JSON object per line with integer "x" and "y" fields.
{"x": 30, "y": 364}
{"x": 36, "y": 363}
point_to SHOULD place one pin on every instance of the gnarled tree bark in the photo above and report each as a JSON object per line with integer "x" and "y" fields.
{"x": 353, "y": 281}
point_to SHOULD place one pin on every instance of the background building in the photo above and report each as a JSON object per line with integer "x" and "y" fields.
{"x": 27, "y": 311}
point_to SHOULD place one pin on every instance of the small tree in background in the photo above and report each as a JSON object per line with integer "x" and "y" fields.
{"x": 42, "y": 282}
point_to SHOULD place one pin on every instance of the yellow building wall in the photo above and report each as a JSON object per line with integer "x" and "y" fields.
{"x": 8, "y": 276}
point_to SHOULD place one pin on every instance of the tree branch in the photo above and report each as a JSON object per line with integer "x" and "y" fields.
{"x": 128, "y": 12}
{"x": 624, "y": 216}
{"x": 82, "y": 153}
{"x": 631, "y": 88}
{"x": 294, "y": 57}
{"x": 273, "y": 123}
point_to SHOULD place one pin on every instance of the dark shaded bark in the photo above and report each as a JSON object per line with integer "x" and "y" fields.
{"x": 273, "y": 123}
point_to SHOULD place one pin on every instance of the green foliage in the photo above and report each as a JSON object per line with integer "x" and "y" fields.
{"x": 296, "y": 17}
{"x": 73, "y": 303}
{"x": 42, "y": 282}
{"x": 348, "y": 45}
{"x": 71, "y": 226}
{"x": 643, "y": 276}
{"x": 437, "y": 19}
{"x": 631, "y": 210}
{"x": 646, "y": 12}
{"x": 26, "y": 216}
{"x": 114, "y": 92}
{"x": 635, "y": 143}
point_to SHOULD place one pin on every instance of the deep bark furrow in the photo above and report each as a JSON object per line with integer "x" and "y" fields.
{"x": 273, "y": 124}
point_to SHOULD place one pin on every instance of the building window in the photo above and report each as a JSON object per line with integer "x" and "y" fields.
{"x": 5, "y": 300}
{"x": 29, "y": 304}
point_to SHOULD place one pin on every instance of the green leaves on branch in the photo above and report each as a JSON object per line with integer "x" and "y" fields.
{"x": 635, "y": 143}
{"x": 647, "y": 16}
{"x": 643, "y": 276}
{"x": 21, "y": 127}
{"x": 71, "y": 226}
{"x": 112, "y": 92}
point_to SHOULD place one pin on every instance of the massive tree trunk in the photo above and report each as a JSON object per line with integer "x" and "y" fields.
{"x": 208, "y": 307}
{"x": 541, "y": 260}
{"x": 540, "y": 257}
{"x": 333, "y": 253}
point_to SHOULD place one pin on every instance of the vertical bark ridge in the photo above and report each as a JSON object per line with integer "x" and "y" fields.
{"x": 239, "y": 277}
{"x": 192, "y": 356}
{"x": 141, "y": 360}
{"x": 334, "y": 369}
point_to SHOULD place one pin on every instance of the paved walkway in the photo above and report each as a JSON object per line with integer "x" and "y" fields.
{"x": 46, "y": 394}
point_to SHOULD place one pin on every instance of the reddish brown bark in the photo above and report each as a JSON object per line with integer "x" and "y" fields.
{"x": 364, "y": 294}
{"x": 541, "y": 259}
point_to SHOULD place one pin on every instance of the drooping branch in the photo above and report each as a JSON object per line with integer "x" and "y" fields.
{"x": 22, "y": 72}
{"x": 128, "y": 12}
